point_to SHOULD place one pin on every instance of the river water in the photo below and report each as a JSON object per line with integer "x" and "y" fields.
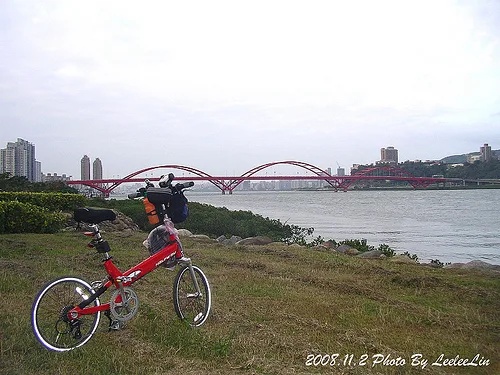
{"x": 449, "y": 225}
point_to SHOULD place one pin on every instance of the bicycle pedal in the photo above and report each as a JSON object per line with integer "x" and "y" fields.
{"x": 116, "y": 325}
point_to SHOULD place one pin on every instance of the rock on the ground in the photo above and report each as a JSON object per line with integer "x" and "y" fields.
{"x": 233, "y": 240}
{"x": 474, "y": 265}
{"x": 228, "y": 241}
{"x": 184, "y": 233}
{"x": 352, "y": 251}
{"x": 201, "y": 237}
{"x": 374, "y": 254}
{"x": 402, "y": 259}
{"x": 259, "y": 240}
{"x": 329, "y": 244}
{"x": 343, "y": 248}
{"x": 347, "y": 250}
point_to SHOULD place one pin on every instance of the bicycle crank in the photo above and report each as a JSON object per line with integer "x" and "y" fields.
{"x": 124, "y": 304}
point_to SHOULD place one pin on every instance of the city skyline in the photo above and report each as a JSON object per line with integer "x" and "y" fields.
{"x": 388, "y": 154}
{"x": 224, "y": 86}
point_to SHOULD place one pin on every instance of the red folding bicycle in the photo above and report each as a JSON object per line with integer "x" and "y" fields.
{"x": 66, "y": 312}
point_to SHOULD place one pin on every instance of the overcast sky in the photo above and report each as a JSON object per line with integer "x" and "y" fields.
{"x": 224, "y": 86}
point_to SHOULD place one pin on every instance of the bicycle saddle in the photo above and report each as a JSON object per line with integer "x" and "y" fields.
{"x": 93, "y": 216}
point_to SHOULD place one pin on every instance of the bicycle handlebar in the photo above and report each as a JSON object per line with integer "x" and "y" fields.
{"x": 164, "y": 183}
{"x": 184, "y": 185}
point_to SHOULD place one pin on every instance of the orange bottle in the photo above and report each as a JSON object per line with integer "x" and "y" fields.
{"x": 151, "y": 212}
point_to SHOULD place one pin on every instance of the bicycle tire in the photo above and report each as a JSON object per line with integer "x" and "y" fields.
{"x": 48, "y": 314}
{"x": 190, "y": 307}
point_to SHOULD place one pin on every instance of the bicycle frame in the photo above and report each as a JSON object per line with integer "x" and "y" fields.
{"x": 121, "y": 279}
{"x": 66, "y": 311}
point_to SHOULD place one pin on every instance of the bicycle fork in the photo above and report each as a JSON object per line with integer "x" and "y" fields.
{"x": 185, "y": 261}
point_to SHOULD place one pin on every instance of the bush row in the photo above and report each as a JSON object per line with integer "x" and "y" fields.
{"x": 49, "y": 201}
{"x": 30, "y": 212}
{"x": 212, "y": 221}
{"x": 19, "y": 217}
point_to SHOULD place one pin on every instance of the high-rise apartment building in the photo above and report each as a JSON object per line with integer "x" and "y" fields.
{"x": 85, "y": 168}
{"x": 486, "y": 154}
{"x": 18, "y": 159}
{"x": 389, "y": 155}
{"x": 38, "y": 171}
{"x": 7, "y": 160}
{"x": 97, "y": 169}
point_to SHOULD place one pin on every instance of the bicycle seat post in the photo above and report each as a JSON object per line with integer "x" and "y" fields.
{"x": 98, "y": 242}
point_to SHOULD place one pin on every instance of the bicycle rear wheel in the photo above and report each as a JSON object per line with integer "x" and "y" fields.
{"x": 191, "y": 306}
{"x": 49, "y": 314}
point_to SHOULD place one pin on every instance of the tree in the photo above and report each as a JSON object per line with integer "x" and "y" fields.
{"x": 19, "y": 183}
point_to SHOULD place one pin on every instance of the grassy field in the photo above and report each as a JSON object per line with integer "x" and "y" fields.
{"x": 276, "y": 310}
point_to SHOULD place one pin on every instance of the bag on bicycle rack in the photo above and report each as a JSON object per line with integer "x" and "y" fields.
{"x": 177, "y": 209}
{"x": 157, "y": 239}
{"x": 174, "y": 201}
{"x": 159, "y": 195}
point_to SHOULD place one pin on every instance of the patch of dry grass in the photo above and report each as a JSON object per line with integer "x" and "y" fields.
{"x": 273, "y": 306}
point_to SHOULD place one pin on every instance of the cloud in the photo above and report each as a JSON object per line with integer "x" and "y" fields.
{"x": 223, "y": 84}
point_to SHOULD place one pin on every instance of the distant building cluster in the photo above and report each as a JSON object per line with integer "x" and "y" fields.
{"x": 485, "y": 154}
{"x": 283, "y": 185}
{"x": 18, "y": 159}
{"x": 53, "y": 177}
{"x": 389, "y": 155}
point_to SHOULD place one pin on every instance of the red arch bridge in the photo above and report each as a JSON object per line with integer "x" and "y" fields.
{"x": 229, "y": 183}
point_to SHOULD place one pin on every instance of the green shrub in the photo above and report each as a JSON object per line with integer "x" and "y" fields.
{"x": 18, "y": 217}
{"x": 411, "y": 256}
{"x": 386, "y": 250}
{"x": 362, "y": 246}
{"x": 50, "y": 201}
{"x": 437, "y": 263}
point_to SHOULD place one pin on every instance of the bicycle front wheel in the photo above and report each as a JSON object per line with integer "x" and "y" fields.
{"x": 49, "y": 314}
{"x": 192, "y": 305}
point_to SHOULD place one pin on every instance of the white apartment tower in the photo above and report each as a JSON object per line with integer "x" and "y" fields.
{"x": 18, "y": 159}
